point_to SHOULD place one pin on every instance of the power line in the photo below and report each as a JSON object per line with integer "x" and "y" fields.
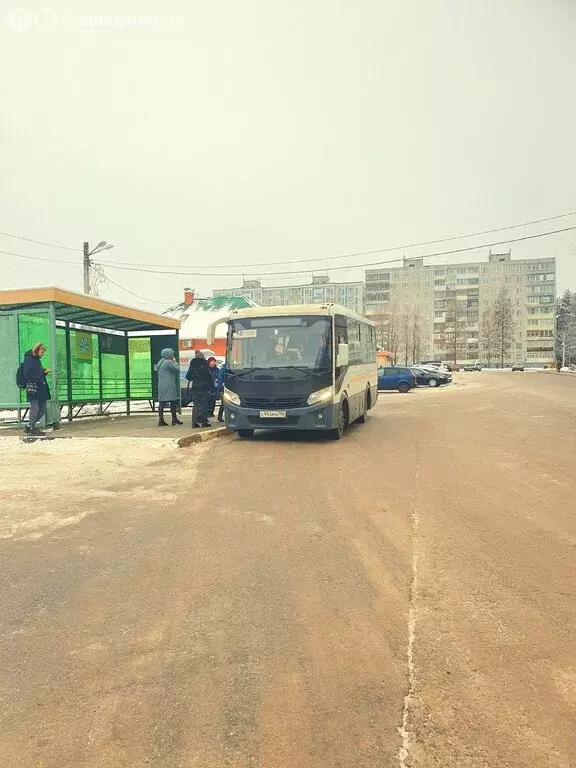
{"x": 406, "y": 246}
{"x": 38, "y": 258}
{"x": 366, "y": 253}
{"x": 345, "y": 266}
{"x": 137, "y": 295}
{"x": 40, "y": 242}
{"x": 55, "y": 261}
{"x": 122, "y": 265}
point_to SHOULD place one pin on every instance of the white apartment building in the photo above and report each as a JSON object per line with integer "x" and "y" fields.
{"x": 319, "y": 291}
{"x": 446, "y": 306}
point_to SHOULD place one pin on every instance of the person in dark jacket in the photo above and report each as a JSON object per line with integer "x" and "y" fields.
{"x": 168, "y": 372}
{"x": 37, "y": 389}
{"x": 213, "y": 368}
{"x": 201, "y": 384}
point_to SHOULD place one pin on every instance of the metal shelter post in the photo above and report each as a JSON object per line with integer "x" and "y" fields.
{"x": 54, "y": 357}
{"x": 127, "y": 374}
{"x": 100, "y": 380}
{"x": 68, "y": 369}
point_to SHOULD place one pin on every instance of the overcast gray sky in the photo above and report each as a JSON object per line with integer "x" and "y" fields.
{"x": 241, "y": 131}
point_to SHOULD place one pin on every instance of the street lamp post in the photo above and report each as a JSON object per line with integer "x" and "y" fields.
{"x": 87, "y": 261}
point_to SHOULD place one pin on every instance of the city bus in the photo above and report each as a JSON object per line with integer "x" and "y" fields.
{"x": 305, "y": 367}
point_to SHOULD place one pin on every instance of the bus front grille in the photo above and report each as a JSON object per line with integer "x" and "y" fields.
{"x": 274, "y": 403}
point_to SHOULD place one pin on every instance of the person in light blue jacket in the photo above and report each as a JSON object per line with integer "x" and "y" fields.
{"x": 168, "y": 372}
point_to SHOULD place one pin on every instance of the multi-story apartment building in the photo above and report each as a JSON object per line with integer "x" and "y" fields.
{"x": 319, "y": 291}
{"x": 443, "y": 312}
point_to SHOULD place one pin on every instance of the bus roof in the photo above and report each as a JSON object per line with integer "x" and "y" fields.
{"x": 297, "y": 309}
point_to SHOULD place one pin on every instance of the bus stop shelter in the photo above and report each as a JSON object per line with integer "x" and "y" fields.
{"x": 99, "y": 352}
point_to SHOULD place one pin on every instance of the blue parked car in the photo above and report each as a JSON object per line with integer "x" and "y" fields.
{"x": 393, "y": 377}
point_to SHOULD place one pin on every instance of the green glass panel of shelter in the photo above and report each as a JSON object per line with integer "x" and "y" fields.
{"x": 9, "y": 357}
{"x": 140, "y": 355}
{"x": 113, "y": 377}
{"x": 85, "y": 366}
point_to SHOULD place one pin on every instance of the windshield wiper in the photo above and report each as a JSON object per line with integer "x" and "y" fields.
{"x": 311, "y": 371}
{"x": 272, "y": 370}
{"x": 241, "y": 372}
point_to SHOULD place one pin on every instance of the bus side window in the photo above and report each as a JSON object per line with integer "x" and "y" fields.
{"x": 368, "y": 344}
{"x": 340, "y": 334}
{"x": 354, "y": 341}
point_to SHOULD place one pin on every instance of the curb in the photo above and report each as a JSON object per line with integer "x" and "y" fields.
{"x": 203, "y": 437}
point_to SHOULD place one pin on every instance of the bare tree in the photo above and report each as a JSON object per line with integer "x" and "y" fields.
{"x": 393, "y": 336}
{"x": 487, "y": 333}
{"x": 405, "y": 333}
{"x": 391, "y": 324}
{"x": 388, "y": 332}
{"x": 401, "y": 334}
{"x": 455, "y": 332}
{"x": 503, "y": 324}
{"x": 381, "y": 329}
{"x": 416, "y": 336}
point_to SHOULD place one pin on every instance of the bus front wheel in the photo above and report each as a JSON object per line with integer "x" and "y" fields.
{"x": 341, "y": 420}
{"x": 245, "y": 433}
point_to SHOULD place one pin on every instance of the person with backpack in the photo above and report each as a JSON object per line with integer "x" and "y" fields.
{"x": 202, "y": 386}
{"x": 168, "y": 372}
{"x": 32, "y": 376}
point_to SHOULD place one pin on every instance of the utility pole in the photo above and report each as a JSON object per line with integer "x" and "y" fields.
{"x": 87, "y": 261}
{"x": 87, "y": 265}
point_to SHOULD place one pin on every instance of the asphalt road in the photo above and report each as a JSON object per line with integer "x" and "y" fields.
{"x": 402, "y": 597}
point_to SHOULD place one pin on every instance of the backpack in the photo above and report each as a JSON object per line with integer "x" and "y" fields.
{"x": 20, "y": 377}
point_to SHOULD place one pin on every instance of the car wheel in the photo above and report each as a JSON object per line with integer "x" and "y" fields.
{"x": 433, "y": 382}
{"x": 403, "y": 388}
{"x": 341, "y": 420}
{"x": 245, "y": 433}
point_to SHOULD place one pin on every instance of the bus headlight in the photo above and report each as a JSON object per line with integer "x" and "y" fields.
{"x": 320, "y": 396}
{"x": 230, "y": 397}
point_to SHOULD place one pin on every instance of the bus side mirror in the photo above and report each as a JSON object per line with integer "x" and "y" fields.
{"x": 211, "y": 330}
{"x": 342, "y": 357}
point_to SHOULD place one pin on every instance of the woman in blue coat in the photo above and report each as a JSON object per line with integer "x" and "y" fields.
{"x": 168, "y": 372}
{"x": 37, "y": 390}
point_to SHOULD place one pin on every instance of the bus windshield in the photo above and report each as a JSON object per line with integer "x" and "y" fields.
{"x": 303, "y": 342}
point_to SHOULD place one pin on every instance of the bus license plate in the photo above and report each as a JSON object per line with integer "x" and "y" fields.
{"x": 272, "y": 414}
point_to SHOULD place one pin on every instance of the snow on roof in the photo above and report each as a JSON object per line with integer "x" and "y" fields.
{"x": 196, "y": 317}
